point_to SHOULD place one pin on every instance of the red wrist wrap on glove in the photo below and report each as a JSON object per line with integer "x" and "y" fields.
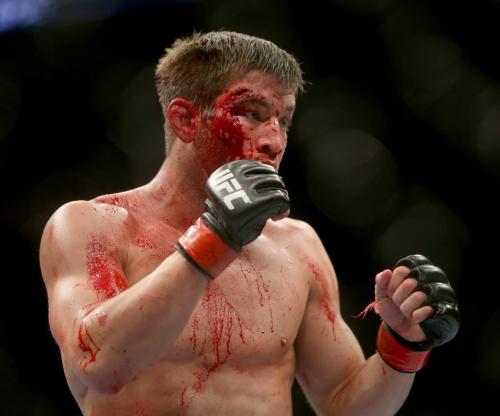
{"x": 207, "y": 249}
{"x": 398, "y": 356}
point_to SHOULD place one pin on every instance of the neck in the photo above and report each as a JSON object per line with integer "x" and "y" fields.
{"x": 177, "y": 191}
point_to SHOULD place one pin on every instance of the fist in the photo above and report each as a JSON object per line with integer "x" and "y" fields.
{"x": 417, "y": 302}
{"x": 242, "y": 196}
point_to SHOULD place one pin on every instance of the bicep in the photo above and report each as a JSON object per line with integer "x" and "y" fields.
{"x": 78, "y": 268}
{"x": 69, "y": 301}
{"x": 327, "y": 351}
{"x": 327, "y": 355}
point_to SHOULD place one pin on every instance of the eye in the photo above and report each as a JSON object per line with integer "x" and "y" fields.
{"x": 252, "y": 114}
{"x": 285, "y": 123}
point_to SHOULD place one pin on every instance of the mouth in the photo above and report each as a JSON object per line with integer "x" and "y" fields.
{"x": 268, "y": 162}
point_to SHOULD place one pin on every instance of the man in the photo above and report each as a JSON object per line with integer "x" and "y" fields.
{"x": 196, "y": 295}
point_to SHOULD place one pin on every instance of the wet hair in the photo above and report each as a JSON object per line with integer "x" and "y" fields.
{"x": 198, "y": 68}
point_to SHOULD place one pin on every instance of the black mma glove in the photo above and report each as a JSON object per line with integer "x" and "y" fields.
{"x": 439, "y": 328}
{"x": 242, "y": 196}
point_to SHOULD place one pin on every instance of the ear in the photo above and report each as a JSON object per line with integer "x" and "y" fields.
{"x": 184, "y": 119}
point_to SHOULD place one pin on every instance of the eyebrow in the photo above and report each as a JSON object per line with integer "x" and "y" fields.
{"x": 254, "y": 100}
{"x": 263, "y": 103}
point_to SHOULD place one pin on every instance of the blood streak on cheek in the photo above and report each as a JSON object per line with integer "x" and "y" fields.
{"x": 227, "y": 127}
{"x": 106, "y": 277}
{"x": 229, "y": 130}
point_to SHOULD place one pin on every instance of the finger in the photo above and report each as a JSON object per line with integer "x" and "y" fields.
{"x": 382, "y": 283}
{"x": 389, "y": 312}
{"x": 268, "y": 182}
{"x": 412, "y": 302}
{"x": 278, "y": 217}
{"x": 404, "y": 290}
{"x": 421, "y": 314}
{"x": 398, "y": 275}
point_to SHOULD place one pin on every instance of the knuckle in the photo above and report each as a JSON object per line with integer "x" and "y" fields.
{"x": 413, "y": 261}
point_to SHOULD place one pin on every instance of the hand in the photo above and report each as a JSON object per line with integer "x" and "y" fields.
{"x": 417, "y": 302}
{"x": 242, "y": 196}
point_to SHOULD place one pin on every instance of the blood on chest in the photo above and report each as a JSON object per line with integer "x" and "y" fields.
{"x": 248, "y": 316}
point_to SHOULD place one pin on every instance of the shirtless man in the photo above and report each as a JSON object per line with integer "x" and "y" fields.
{"x": 196, "y": 295}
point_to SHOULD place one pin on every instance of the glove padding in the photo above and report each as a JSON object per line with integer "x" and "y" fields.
{"x": 242, "y": 196}
{"x": 443, "y": 325}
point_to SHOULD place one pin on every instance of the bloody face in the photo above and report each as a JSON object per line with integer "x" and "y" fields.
{"x": 227, "y": 127}
{"x": 250, "y": 121}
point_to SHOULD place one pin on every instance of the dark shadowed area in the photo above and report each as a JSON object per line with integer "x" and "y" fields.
{"x": 395, "y": 149}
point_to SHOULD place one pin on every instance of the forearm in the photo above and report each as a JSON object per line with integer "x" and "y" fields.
{"x": 382, "y": 384}
{"x": 120, "y": 337}
{"x": 374, "y": 390}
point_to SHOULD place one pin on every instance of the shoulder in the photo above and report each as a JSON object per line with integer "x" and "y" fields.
{"x": 84, "y": 215}
{"x": 300, "y": 239}
{"x": 304, "y": 243}
{"x": 289, "y": 225}
{"x": 293, "y": 231}
{"x": 67, "y": 231}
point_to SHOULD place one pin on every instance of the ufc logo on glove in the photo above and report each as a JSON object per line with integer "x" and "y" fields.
{"x": 219, "y": 235}
{"x": 225, "y": 180}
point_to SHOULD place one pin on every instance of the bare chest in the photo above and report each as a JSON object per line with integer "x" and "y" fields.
{"x": 248, "y": 316}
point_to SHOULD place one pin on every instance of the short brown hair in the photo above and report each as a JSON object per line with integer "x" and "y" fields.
{"x": 200, "y": 66}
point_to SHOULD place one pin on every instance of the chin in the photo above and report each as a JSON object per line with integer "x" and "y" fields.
{"x": 269, "y": 162}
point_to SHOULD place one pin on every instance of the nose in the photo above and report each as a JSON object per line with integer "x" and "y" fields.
{"x": 272, "y": 141}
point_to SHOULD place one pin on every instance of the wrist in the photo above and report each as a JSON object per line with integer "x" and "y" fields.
{"x": 205, "y": 249}
{"x": 400, "y": 356}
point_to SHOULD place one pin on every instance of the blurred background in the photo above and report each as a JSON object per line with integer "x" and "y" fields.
{"x": 395, "y": 149}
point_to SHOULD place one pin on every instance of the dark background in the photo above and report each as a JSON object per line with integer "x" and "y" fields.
{"x": 395, "y": 149}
